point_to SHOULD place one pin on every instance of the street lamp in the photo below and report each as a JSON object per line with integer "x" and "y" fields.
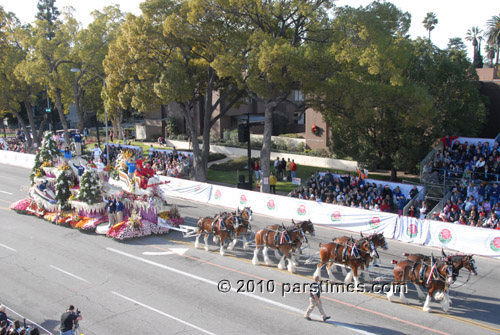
{"x": 105, "y": 114}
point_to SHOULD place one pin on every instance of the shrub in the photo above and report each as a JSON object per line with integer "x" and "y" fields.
{"x": 301, "y": 147}
{"x": 292, "y": 135}
{"x": 215, "y": 156}
{"x": 230, "y": 166}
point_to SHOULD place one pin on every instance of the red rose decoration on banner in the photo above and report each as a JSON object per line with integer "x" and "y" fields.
{"x": 375, "y": 222}
{"x": 271, "y": 205}
{"x": 302, "y": 210}
{"x": 495, "y": 244}
{"x": 243, "y": 199}
{"x": 217, "y": 194}
{"x": 336, "y": 216}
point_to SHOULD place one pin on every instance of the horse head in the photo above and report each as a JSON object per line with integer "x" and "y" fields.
{"x": 247, "y": 211}
{"x": 378, "y": 240}
{"x": 307, "y": 227}
{"x": 470, "y": 264}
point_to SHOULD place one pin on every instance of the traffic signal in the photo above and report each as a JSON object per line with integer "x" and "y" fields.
{"x": 48, "y": 110}
{"x": 243, "y": 133}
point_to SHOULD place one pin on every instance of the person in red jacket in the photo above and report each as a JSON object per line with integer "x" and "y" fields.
{"x": 256, "y": 168}
{"x": 293, "y": 168}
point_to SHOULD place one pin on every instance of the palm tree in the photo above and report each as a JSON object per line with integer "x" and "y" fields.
{"x": 490, "y": 53}
{"x": 473, "y": 35}
{"x": 430, "y": 22}
{"x": 493, "y": 34}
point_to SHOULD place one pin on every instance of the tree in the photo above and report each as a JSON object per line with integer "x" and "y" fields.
{"x": 493, "y": 34}
{"x": 275, "y": 36}
{"x": 89, "y": 191}
{"x": 89, "y": 50}
{"x": 456, "y": 43}
{"x": 474, "y": 36}
{"x": 48, "y": 12}
{"x": 170, "y": 47}
{"x": 17, "y": 96}
{"x": 490, "y": 53}
{"x": 377, "y": 115}
{"x": 63, "y": 185}
{"x": 48, "y": 63}
{"x": 450, "y": 78}
{"x": 430, "y": 22}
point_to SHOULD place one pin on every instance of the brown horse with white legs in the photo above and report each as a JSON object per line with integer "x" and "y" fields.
{"x": 284, "y": 240}
{"x": 353, "y": 255}
{"x": 457, "y": 261}
{"x": 221, "y": 226}
{"x": 437, "y": 276}
{"x": 242, "y": 229}
{"x": 307, "y": 227}
{"x": 376, "y": 240}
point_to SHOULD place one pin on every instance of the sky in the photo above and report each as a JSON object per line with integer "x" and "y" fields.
{"x": 455, "y": 16}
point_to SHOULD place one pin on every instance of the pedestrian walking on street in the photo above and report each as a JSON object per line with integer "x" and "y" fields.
{"x": 315, "y": 300}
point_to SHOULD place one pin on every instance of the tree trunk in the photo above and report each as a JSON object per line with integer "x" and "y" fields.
{"x": 23, "y": 125}
{"x": 265, "y": 154}
{"x": 34, "y": 132}
{"x": 3, "y": 127}
{"x": 394, "y": 174}
{"x": 60, "y": 111}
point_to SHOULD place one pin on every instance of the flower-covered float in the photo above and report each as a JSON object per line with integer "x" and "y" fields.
{"x": 77, "y": 194}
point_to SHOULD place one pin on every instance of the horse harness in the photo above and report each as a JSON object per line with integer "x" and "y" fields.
{"x": 219, "y": 222}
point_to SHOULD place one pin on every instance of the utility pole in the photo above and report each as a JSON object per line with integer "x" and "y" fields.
{"x": 249, "y": 152}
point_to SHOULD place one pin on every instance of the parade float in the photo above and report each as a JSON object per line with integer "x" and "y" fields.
{"x": 59, "y": 195}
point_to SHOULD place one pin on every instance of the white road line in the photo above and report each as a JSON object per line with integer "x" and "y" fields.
{"x": 69, "y": 274}
{"x": 250, "y": 295}
{"x": 6, "y": 247}
{"x": 163, "y": 313}
{"x": 6, "y": 192}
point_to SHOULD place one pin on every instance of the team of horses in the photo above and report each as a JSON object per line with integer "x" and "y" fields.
{"x": 425, "y": 272}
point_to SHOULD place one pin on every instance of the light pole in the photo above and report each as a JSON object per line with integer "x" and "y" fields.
{"x": 105, "y": 113}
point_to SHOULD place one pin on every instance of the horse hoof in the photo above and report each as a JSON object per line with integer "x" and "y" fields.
{"x": 255, "y": 262}
{"x": 428, "y": 310}
{"x": 281, "y": 267}
{"x": 206, "y": 249}
{"x": 389, "y": 298}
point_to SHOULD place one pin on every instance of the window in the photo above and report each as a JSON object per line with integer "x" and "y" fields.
{"x": 299, "y": 118}
{"x": 298, "y": 96}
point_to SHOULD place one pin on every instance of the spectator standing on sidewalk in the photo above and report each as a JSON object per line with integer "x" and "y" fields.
{"x": 293, "y": 168}
{"x": 256, "y": 168}
{"x": 315, "y": 300}
{"x": 283, "y": 168}
{"x": 277, "y": 167}
{"x": 288, "y": 170}
{"x": 272, "y": 182}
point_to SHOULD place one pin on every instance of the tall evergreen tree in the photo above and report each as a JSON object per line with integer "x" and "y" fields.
{"x": 63, "y": 184}
{"x": 47, "y": 11}
{"x": 89, "y": 191}
{"x": 430, "y": 22}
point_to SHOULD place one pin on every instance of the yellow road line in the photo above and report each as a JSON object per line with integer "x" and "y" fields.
{"x": 451, "y": 317}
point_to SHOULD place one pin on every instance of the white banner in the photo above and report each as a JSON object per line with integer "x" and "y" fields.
{"x": 412, "y": 230}
{"x": 473, "y": 240}
{"x": 184, "y": 188}
{"x": 17, "y": 159}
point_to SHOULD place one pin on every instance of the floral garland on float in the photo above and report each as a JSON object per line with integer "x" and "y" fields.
{"x": 58, "y": 196}
{"x": 135, "y": 226}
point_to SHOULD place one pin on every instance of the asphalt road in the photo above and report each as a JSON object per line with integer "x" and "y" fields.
{"x": 163, "y": 285}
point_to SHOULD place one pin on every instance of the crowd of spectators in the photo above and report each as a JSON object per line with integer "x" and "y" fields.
{"x": 475, "y": 162}
{"x": 474, "y": 169}
{"x": 354, "y": 192}
{"x": 15, "y": 143}
{"x": 171, "y": 163}
{"x": 8, "y": 327}
{"x": 472, "y": 204}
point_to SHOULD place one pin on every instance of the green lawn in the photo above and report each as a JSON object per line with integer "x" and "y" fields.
{"x": 228, "y": 173}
